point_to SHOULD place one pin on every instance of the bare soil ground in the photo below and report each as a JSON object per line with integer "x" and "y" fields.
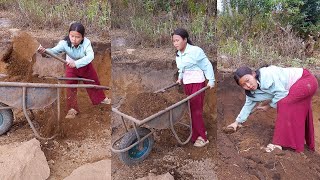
{"x": 240, "y": 155}
{"x": 143, "y": 71}
{"x": 86, "y": 138}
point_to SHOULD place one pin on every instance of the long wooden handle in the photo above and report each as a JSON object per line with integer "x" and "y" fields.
{"x": 56, "y": 57}
{"x": 167, "y": 87}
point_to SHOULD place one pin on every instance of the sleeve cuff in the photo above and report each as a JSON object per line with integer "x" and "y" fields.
{"x": 211, "y": 83}
{"x": 239, "y": 120}
{"x": 274, "y": 105}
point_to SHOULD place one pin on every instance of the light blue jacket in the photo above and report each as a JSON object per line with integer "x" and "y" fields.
{"x": 274, "y": 85}
{"x": 193, "y": 58}
{"x": 83, "y": 54}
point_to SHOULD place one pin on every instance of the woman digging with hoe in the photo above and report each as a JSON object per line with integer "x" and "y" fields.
{"x": 194, "y": 67}
{"x": 79, "y": 54}
{"x": 290, "y": 91}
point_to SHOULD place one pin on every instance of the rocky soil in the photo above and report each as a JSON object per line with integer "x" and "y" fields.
{"x": 85, "y": 139}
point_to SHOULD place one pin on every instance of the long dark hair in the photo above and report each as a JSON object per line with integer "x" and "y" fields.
{"x": 184, "y": 34}
{"x": 75, "y": 27}
{"x": 240, "y": 72}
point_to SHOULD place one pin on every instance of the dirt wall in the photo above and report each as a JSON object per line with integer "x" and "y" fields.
{"x": 86, "y": 138}
{"x": 143, "y": 72}
{"x": 241, "y": 154}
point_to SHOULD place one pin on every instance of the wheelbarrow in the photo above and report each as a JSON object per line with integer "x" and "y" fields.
{"x": 29, "y": 96}
{"x": 136, "y": 143}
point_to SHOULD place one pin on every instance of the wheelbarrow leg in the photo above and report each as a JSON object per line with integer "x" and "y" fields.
{"x": 58, "y": 108}
{"x": 124, "y": 123}
{"x": 24, "y": 89}
{"x": 174, "y": 131}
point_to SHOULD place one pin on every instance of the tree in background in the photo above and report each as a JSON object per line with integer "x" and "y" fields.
{"x": 256, "y": 32}
{"x": 252, "y": 9}
{"x": 303, "y": 15}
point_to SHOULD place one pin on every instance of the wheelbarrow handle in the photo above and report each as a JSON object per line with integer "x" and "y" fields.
{"x": 55, "y": 56}
{"x": 167, "y": 87}
{"x": 77, "y": 79}
{"x": 44, "y": 85}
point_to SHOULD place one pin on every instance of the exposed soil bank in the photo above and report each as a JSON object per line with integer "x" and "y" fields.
{"x": 85, "y": 139}
{"x": 142, "y": 72}
{"x": 240, "y": 155}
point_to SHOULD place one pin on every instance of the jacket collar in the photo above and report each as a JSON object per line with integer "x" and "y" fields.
{"x": 186, "y": 51}
{"x": 80, "y": 45}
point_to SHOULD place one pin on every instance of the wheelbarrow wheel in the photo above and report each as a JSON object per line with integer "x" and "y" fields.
{"x": 139, "y": 152}
{"x": 6, "y": 119}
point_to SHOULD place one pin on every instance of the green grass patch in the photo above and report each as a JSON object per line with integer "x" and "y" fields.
{"x": 94, "y": 14}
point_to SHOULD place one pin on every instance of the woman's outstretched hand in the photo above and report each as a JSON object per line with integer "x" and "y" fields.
{"x": 210, "y": 86}
{"x": 41, "y": 49}
{"x": 234, "y": 125}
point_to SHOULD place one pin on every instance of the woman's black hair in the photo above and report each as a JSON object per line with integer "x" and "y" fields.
{"x": 240, "y": 72}
{"x": 75, "y": 27}
{"x": 184, "y": 34}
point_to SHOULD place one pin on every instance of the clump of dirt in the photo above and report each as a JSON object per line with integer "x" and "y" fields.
{"x": 146, "y": 104}
{"x": 21, "y": 59}
{"x": 19, "y": 70}
{"x": 24, "y": 46}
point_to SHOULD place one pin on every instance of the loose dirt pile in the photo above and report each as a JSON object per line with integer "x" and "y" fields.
{"x": 85, "y": 139}
{"x": 151, "y": 69}
{"x": 146, "y": 104}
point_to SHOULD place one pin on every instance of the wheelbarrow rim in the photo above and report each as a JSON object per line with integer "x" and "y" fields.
{"x": 117, "y": 150}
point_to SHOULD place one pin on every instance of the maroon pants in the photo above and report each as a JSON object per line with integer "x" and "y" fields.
{"x": 88, "y": 71}
{"x": 196, "y": 106}
{"x": 294, "y": 123}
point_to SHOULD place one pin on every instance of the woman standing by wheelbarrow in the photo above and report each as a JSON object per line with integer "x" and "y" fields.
{"x": 290, "y": 91}
{"x": 79, "y": 54}
{"x": 194, "y": 68}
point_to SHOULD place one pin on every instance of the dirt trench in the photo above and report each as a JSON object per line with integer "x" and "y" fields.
{"x": 240, "y": 155}
{"x": 143, "y": 72}
{"x": 85, "y": 139}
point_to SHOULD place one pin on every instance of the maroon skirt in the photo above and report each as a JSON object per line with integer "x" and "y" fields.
{"x": 294, "y": 123}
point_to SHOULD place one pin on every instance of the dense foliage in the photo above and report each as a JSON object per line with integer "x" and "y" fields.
{"x": 94, "y": 14}
{"x": 258, "y": 32}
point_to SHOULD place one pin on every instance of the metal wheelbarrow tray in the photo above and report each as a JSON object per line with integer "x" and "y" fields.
{"x": 28, "y": 96}
{"x": 135, "y": 145}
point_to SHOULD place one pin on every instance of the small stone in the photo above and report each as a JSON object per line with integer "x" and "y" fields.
{"x": 56, "y": 143}
{"x": 153, "y": 170}
{"x": 51, "y": 162}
